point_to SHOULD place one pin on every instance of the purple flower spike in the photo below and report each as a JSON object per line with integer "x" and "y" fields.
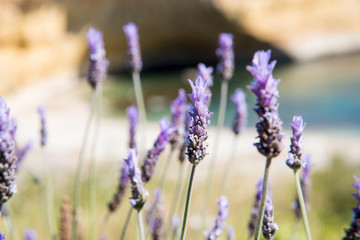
{"x": 255, "y": 210}
{"x": 156, "y": 207}
{"x": 7, "y": 154}
{"x": 223, "y": 214}
{"x": 269, "y": 227}
{"x": 133, "y": 115}
{"x": 200, "y": 118}
{"x": 2, "y": 236}
{"x": 238, "y": 99}
{"x": 98, "y": 62}
{"x": 231, "y": 233}
{"x": 138, "y": 193}
{"x": 264, "y": 87}
{"x": 134, "y": 53}
{"x": 21, "y": 153}
{"x": 305, "y": 186}
{"x": 296, "y": 148}
{"x": 152, "y": 157}
{"x": 354, "y": 231}
{"x": 30, "y": 234}
{"x": 225, "y": 53}
{"x": 43, "y": 132}
{"x": 206, "y": 74}
{"x": 178, "y": 110}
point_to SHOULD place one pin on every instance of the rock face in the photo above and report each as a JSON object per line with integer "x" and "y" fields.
{"x": 39, "y": 37}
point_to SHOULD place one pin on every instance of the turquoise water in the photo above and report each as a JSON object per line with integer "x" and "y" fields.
{"x": 325, "y": 92}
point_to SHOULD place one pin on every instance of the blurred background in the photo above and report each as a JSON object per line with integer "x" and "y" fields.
{"x": 44, "y": 59}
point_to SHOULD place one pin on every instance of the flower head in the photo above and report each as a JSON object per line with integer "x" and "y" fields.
{"x": 98, "y": 62}
{"x": 225, "y": 53}
{"x": 238, "y": 99}
{"x": 295, "y": 160}
{"x": 133, "y": 115}
{"x": 178, "y": 110}
{"x": 152, "y": 157}
{"x": 206, "y": 74}
{"x": 134, "y": 54}
{"x": 138, "y": 193}
{"x": 200, "y": 118}
{"x": 264, "y": 87}
{"x": 30, "y": 234}
{"x": 43, "y": 132}
{"x": 269, "y": 227}
{"x": 7, "y": 154}
{"x": 223, "y": 214}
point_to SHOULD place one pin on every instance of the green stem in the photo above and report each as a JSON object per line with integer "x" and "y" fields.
{"x": 263, "y": 198}
{"x": 77, "y": 187}
{"x": 187, "y": 205}
{"x": 220, "y": 124}
{"x": 302, "y": 205}
{"x": 229, "y": 165}
{"x": 141, "y": 105}
{"x": 92, "y": 170}
{"x": 141, "y": 227}
{"x": 123, "y": 233}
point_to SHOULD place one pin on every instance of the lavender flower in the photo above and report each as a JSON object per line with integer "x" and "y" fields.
{"x": 2, "y": 236}
{"x": 269, "y": 227}
{"x": 264, "y": 87}
{"x": 157, "y": 224}
{"x": 30, "y": 234}
{"x": 43, "y": 132}
{"x": 138, "y": 193}
{"x": 178, "y": 110}
{"x": 223, "y": 214}
{"x": 305, "y": 186}
{"x": 296, "y": 148}
{"x": 225, "y": 53}
{"x": 353, "y": 232}
{"x": 154, "y": 204}
{"x": 200, "y": 118}
{"x": 98, "y": 61}
{"x": 133, "y": 115}
{"x": 21, "y": 153}
{"x": 152, "y": 157}
{"x": 230, "y": 233}
{"x": 134, "y": 53}
{"x": 238, "y": 99}
{"x": 206, "y": 74}
{"x": 124, "y": 180}
{"x": 182, "y": 153}
{"x": 7, "y": 154}
{"x": 255, "y": 210}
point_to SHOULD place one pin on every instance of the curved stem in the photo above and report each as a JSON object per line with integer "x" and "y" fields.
{"x": 229, "y": 164}
{"x": 123, "y": 233}
{"x": 302, "y": 205}
{"x": 77, "y": 187}
{"x": 263, "y": 197}
{"x": 141, "y": 227}
{"x": 187, "y": 204}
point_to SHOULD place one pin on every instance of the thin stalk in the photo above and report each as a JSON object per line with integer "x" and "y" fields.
{"x": 302, "y": 205}
{"x": 123, "y": 233}
{"x": 175, "y": 199}
{"x": 92, "y": 171}
{"x": 77, "y": 187}
{"x": 49, "y": 196}
{"x": 263, "y": 197}
{"x": 141, "y": 227}
{"x": 220, "y": 124}
{"x": 295, "y": 229}
{"x": 141, "y": 105}
{"x": 229, "y": 165}
{"x": 187, "y": 204}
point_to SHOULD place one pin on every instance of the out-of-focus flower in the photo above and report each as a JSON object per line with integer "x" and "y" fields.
{"x": 133, "y": 115}
{"x": 295, "y": 160}
{"x": 178, "y": 114}
{"x": 187, "y": 124}
{"x": 30, "y": 234}
{"x": 205, "y": 73}
{"x": 21, "y": 153}
{"x": 223, "y": 214}
{"x": 134, "y": 54}
{"x": 66, "y": 219}
{"x": 43, "y": 132}
{"x": 354, "y": 231}
{"x": 156, "y": 210}
{"x": 225, "y": 54}
{"x": 231, "y": 233}
{"x": 255, "y": 209}
{"x": 238, "y": 99}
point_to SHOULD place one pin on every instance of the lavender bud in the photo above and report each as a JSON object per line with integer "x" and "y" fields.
{"x": 152, "y": 157}
{"x": 305, "y": 186}
{"x": 238, "y": 99}
{"x": 124, "y": 180}
{"x": 30, "y": 234}
{"x": 225, "y": 53}
{"x": 231, "y": 233}
{"x": 21, "y": 153}
{"x": 157, "y": 225}
{"x": 353, "y": 232}
{"x": 43, "y": 132}
{"x": 296, "y": 148}
{"x": 7, "y": 154}
{"x": 98, "y": 62}
{"x": 205, "y": 73}
{"x": 133, "y": 51}
{"x": 182, "y": 153}
{"x": 264, "y": 87}
{"x": 200, "y": 118}
{"x": 133, "y": 115}
{"x": 269, "y": 227}
{"x": 223, "y": 214}
{"x": 178, "y": 110}
{"x": 255, "y": 210}
{"x": 138, "y": 193}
